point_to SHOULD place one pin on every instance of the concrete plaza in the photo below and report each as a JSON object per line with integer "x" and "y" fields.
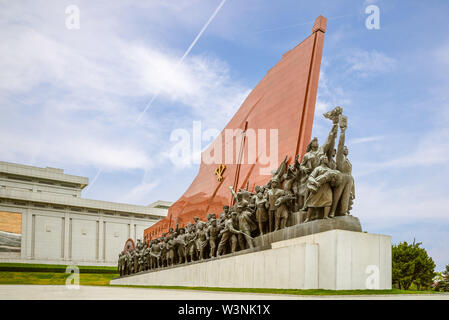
{"x": 42, "y": 292}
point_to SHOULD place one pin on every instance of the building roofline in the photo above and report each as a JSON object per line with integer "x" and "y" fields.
{"x": 80, "y": 202}
{"x": 160, "y": 202}
{"x": 47, "y": 173}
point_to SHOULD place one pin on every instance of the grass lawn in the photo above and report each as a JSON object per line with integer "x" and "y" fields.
{"x": 98, "y": 279}
{"x": 54, "y": 278}
{"x": 291, "y": 291}
{"x": 44, "y": 274}
{"x": 52, "y": 268}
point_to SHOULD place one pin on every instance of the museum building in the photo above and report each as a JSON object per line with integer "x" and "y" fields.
{"x": 44, "y": 219}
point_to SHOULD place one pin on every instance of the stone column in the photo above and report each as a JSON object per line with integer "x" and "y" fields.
{"x": 25, "y": 247}
{"x": 100, "y": 239}
{"x": 67, "y": 234}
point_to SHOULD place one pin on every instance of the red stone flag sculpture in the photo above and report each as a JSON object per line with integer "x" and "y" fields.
{"x": 277, "y": 114}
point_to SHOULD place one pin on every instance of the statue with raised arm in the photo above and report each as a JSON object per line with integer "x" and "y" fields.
{"x": 311, "y": 159}
{"x": 344, "y": 193}
{"x": 244, "y": 194}
{"x": 246, "y": 225}
{"x": 237, "y": 197}
{"x": 334, "y": 115}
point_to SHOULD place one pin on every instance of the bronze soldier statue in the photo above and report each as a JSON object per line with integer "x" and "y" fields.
{"x": 127, "y": 270}
{"x": 191, "y": 243}
{"x": 246, "y": 226}
{"x": 212, "y": 232}
{"x": 311, "y": 159}
{"x": 147, "y": 256}
{"x": 202, "y": 240}
{"x": 120, "y": 263}
{"x": 282, "y": 210}
{"x": 344, "y": 193}
{"x": 321, "y": 184}
{"x": 225, "y": 210}
{"x": 221, "y": 224}
{"x": 171, "y": 249}
{"x": 229, "y": 234}
{"x": 274, "y": 193}
{"x": 181, "y": 246}
{"x": 132, "y": 263}
{"x": 164, "y": 251}
{"x": 155, "y": 252}
{"x": 138, "y": 256}
{"x": 320, "y": 191}
{"x": 261, "y": 212}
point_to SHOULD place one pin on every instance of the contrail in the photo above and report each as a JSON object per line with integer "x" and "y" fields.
{"x": 139, "y": 118}
{"x": 202, "y": 30}
{"x": 94, "y": 179}
{"x": 185, "y": 54}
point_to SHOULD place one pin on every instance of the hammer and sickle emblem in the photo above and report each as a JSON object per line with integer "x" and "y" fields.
{"x": 219, "y": 171}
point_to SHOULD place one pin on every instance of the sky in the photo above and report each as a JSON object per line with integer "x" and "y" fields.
{"x": 103, "y": 100}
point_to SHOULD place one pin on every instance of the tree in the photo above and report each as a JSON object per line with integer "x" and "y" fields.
{"x": 411, "y": 264}
{"x": 443, "y": 283}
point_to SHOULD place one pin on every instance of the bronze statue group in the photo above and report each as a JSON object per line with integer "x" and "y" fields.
{"x": 321, "y": 186}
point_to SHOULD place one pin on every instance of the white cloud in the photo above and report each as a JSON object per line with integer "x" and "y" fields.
{"x": 370, "y": 63}
{"x": 387, "y": 204}
{"x": 139, "y": 194}
{"x": 368, "y": 2}
{"x": 365, "y": 139}
{"x": 430, "y": 150}
{"x": 77, "y": 94}
{"x": 442, "y": 54}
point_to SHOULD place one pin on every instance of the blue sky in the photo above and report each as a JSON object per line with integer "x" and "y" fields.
{"x": 70, "y": 98}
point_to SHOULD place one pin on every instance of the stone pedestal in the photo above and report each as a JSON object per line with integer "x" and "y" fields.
{"x": 335, "y": 259}
{"x": 349, "y": 223}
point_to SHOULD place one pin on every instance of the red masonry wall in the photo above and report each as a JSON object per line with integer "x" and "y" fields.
{"x": 285, "y": 100}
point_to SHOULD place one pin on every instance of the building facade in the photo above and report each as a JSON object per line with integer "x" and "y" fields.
{"x": 44, "y": 219}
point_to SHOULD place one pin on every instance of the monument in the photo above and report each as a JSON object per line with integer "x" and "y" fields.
{"x": 292, "y": 228}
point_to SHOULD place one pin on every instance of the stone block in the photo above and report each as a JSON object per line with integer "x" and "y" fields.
{"x": 349, "y": 223}
{"x": 335, "y": 259}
